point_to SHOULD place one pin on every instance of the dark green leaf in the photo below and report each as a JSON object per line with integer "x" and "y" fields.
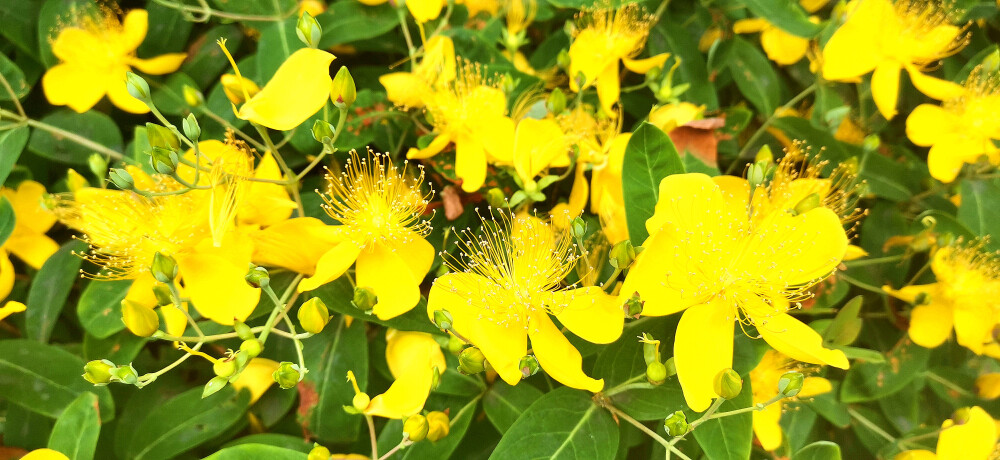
{"x": 53, "y": 15}
{"x": 76, "y": 430}
{"x": 46, "y": 379}
{"x": 649, "y": 157}
{"x": 820, "y": 450}
{"x": 7, "y": 219}
{"x": 886, "y": 178}
{"x": 729, "y": 437}
{"x": 754, "y": 76}
{"x": 168, "y": 31}
{"x": 845, "y": 318}
{"x": 122, "y": 347}
{"x": 14, "y": 77}
{"x": 829, "y": 407}
{"x": 787, "y": 16}
{"x": 50, "y": 288}
{"x": 270, "y": 9}
{"x": 329, "y": 355}
{"x": 206, "y": 60}
{"x": 980, "y": 209}
{"x": 869, "y": 381}
{"x": 91, "y": 125}
{"x": 277, "y": 42}
{"x": 100, "y": 309}
{"x": 12, "y": 143}
{"x": 504, "y": 403}
{"x": 347, "y": 22}
{"x": 186, "y": 421}
{"x": 563, "y": 424}
{"x": 169, "y": 97}
{"x": 246, "y": 451}
{"x": 671, "y": 36}
{"x": 285, "y": 441}
{"x": 19, "y": 19}
{"x": 798, "y": 425}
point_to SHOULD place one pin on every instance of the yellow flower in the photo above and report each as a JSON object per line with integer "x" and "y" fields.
{"x": 379, "y": 208}
{"x": 722, "y": 258}
{"x": 27, "y": 241}
{"x": 413, "y": 358}
{"x": 477, "y": 134}
{"x": 988, "y": 385}
{"x": 961, "y": 130}
{"x": 421, "y": 10}
{"x": 605, "y": 36}
{"x": 670, "y": 116}
{"x": 886, "y": 38}
{"x": 45, "y": 454}
{"x": 764, "y": 381}
{"x": 505, "y": 285}
{"x": 491, "y": 7}
{"x": 781, "y": 47}
{"x": 533, "y": 145}
{"x": 973, "y": 437}
{"x": 436, "y": 69}
{"x": 965, "y": 297}
{"x": 95, "y": 52}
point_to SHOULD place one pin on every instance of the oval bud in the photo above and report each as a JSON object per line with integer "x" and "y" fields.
{"x": 137, "y": 87}
{"x": 622, "y": 254}
{"x": 234, "y": 88}
{"x": 287, "y": 375}
{"x": 676, "y": 424}
{"x": 364, "y": 298}
{"x": 471, "y": 361}
{"x": 650, "y": 348}
{"x": 442, "y": 319}
{"x": 192, "y": 97}
{"x": 98, "y": 372}
{"x": 162, "y": 137}
{"x": 656, "y": 373}
{"x": 634, "y": 305}
{"x": 810, "y": 202}
{"x": 961, "y": 416}
{"x": 343, "y": 93}
{"x": 439, "y": 425}
{"x": 125, "y": 374}
{"x": 252, "y": 347}
{"x": 308, "y": 30}
{"x": 562, "y": 59}
{"x": 496, "y": 198}
{"x": 728, "y": 384}
{"x": 224, "y": 368}
{"x": 556, "y": 102}
{"x": 122, "y": 179}
{"x": 242, "y": 330}
{"x": 257, "y": 277}
{"x": 191, "y": 127}
{"x": 322, "y": 131}
{"x": 361, "y": 401}
{"x": 790, "y": 383}
{"x": 415, "y": 428}
{"x": 162, "y": 294}
{"x": 578, "y": 227}
{"x": 313, "y": 315}
{"x": 318, "y": 452}
{"x": 163, "y": 161}
{"x": 455, "y": 344}
{"x": 164, "y": 268}
{"x": 529, "y": 366}
{"x": 139, "y": 319}
{"x": 764, "y": 155}
{"x": 213, "y": 386}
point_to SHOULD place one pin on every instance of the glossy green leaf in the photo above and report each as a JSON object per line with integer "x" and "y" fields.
{"x": 12, "y": 143}
{"x": 7, "y": 219}
{"x": 325, "y": 390}
{"x": 504, "y": 403}
{"x": 980, "y": 209}
{"x": 820, "y": 450}
{"x": 787, "y": 16}
{"x": 868, "y": 381}
{"x": 262, "y": 10}
{"x": 670, "y": 35}
{"x": 99, "y": 307}
{"x": 206, "y": 61}
{"x": 247, "y": 451}
{"x": 50, "y": 289}
{"x": 168, "y": 31}
{"x": 755, "y": 76}
{"x": 121, "y": 347}
{"x": 14, "y": 77}
{"x": 277, "y": 42}
{"x": 347, "y": 22}
{"x": 92, "y": 125}
{"x": 76, "y": 430}
{"x": 729, "y": 438}
{"x": 563, "y": 424}
{"x": 649, "y": 157}
{"x": 846, "y": 318}
{"x": 19, "y": 21}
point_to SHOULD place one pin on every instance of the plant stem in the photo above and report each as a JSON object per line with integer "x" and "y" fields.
{"x": 645, "y": 429}
{"x": 870, "y": 425}
{"x": 63, "y": 133}
{"x": 860, "y": 284}
{"x": 326, "y": 149}
{"x": 371, "y": 434}
{"x": 875, "y": 261}
{"x": 402, "y": 445}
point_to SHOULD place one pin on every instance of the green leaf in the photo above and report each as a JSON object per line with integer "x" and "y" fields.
{"x": 50, "y": 288}
{"x": 980, "y": 209}
{"x": 865, "y": 354}
{"x": 14, "y": 77}
{"x": 829, "y": 407}
{"x": 53, "y": 15}
{"x": 7, "y": 219}
{"x": 649, "y": 157}
{"x": 337, "y": 295}
{"x": 886, "y": 177}
{"x": 846, "y": 319}
{"x": 76, "y": 430}
{"x": 12, "y": 143}
{"x": 168, "y": 31}
{"x": 563, "y": 424}
{"x": 798, "y": 425}
{"x": 284, "y": 441}
{"x": 245, "y": 451}
{"x": 325, "y": 390}
{"x": 277, "y": 42}
{"x": 19, "y": 19}
{"x": 100, "y": 309}
{"x": 458, "y": 424}
{"x": 787, "y": 16}
{"x": 186, "y": 421}
{"x": 820, "y": 450}
{"x": 729, "y": 437}
{"x": 347, "y": 22}
{"x": 623, "y": 369}
{"x": 670, "y": 35}
{"x": 754, "y": 76}
{"x": 504, "y": 404}
{"x": 206, "y": 61}
{"x": 869, "y": 381}
{"x": 269, "y": 8}
{"x": 91, "y": 125}
{"x": 169, "y": 97}
{"x": 46, "y": 379}
{"x": 122, "y": 347}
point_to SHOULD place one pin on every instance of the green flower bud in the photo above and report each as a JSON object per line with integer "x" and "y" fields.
{"x": 581, "y": 80}
{"x": 287, "y": 375}
{"x": 163, "y": 295}
{"x": 529, "y": 366}
{"x": 121, "y": 178}
{"x": 313, "y": 315}
{"x": 192, "y": 97}
{"x": 308, "y": 30}
{"x": 364, "y": 298}
{"x": 562, "y": 59}
{"x": 164, "y": 268}
{"x": 622, "y": 254}
{"x": 790, "y": 384}
{"x": 242, "y": 330}
{"x": 871, "y": 143}
{"x": 676, "y": 424}
{"x": 439, "y": 425}
{"x": 257, "y": 277}
{"x": 97, "y": 164}
{"x": 361, "y": 401}
{"x": 191, "y": 127}
{"x": 650, "y": 348}
{"x": 556, "y": 102}
{"x": 496, "y": 198}
{"x": 756, "y": 174}
{"x": 415, "y": 428}
{"x": 455, "y": 344}
{"x": 252, "y": 347}
{"x": 322, "y": 131}
{"x": 634, "y": 305}
{"x": 98, "y": 372}
{"x": 728, "y": 384}
{"x": 225, "y": 368}
{"x": 579, "y": 228}
{"x": 213, "y": 386}
{"x": 471, "y": 361}
{"x": 139, "y": 319}
{"x": 656, "y": 373}
{"x": 509, "y": 83}
{"x": 319, "y": 452}
{"x": 137, "y": 87}
{"x": 125, "y": 374}
{"x": 764, "y": 155}
{"x": 343, "y": 93}
{"x": 162, "y": 137}
{"x": 810, "y": 202}
{"x": 163, "y": 161}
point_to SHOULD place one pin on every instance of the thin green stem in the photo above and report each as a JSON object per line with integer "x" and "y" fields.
{"x": 146, "y": 379}
{"x": 207, "y": 13}
{"x": 410, "y": 49}
{"x": 402, "y": 445}
{"x": 13, "y": 96}
{"x": 755, "y": 407}
{"x": 371, "y": 434}
{"x": 860, "y": 284}
{"x": 763, "y": 127}
{"x": 645, "y": 429}
{"x": 948, "y": 384}
{"x": 874, "y": 261}
{"x": 327, "y": 149}
{"x": 63, "y": 133}
{"x": 623, "y": 386}
{"x": 870, "y": 425}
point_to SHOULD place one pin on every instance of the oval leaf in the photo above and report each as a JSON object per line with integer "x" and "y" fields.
{"x": 76, "y": 430}
{"x": 649, "y": 157}
{"x": 50, "y": 288}
{"x": 100, "y": 309}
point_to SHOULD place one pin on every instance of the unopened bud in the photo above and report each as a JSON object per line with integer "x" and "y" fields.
{"x": 757, "y": 174}
{"x": 192, "y": 96}
{"x": 191, "y": 127}
{"x": 224, "y": 368}
{"x": 810, "y": 202}
{"x": 213, "y": 386}
{"x": 790, "y": 384}
{"x": 164, "y": 268}
{"x": 443, "y": 319}
{"x": 509, "y": 83}
{"x": 252, "y": 347}
{"x": 97, "y": 164}
{"x": 361, "y": 401}
{"x": 496, "y": 198}
{"x": 455, "y": 344}
{"x": 322, "y": 131}
{"x": 313, "y": 315}
{"x": 162, "y": 294}
{"x": 988, "y": 385}
{"x": 634, "y": 305}
{"x": 319, "y": 452}
{"x": 98, "y": 372}
{"x": 257, "y": 277}
{"x": 529, "y": 366}
{"x": 728, "y": 384}
{"x": 343, "y": 92}
{"x": 287, "y": 375}
{"x": 676, "y": 424}
{"x": 562, "y": 59}
{"x": 137, "y": 87}
{"x": 556, "y": 102}
{"x": 233, "y": 86}
{"x": 650, "y": 348}
{"x": 308, "y": 30}
{"x": 764, "y": 155}
{"x": 125, "y": 374}
{"x": 242, "y": 330}
{"x": 439, "y": 425}
{"x": 121, "y": 178}
{"x": 622, "y": 254}
{"x": 471, "y": 361}
{"x": 139, "y": 319}
{"x": 364, "y": 298}
{"x": 161, "y": 136}
{"x": 871, "y": 143}
{"x": 415, "y": 428}
{"x": 656, "y": 373}
{"x": 579, "y": 227}
{"x": 241, "y": 359}
{"x": 961, "y": 416}
{"x": 163, "y": 161}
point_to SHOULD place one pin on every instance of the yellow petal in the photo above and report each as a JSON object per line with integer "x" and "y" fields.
{"x": 929, "y": 124}
{"x": 975, "y": 438}
{"x": 589, "y": 54}
{"x": 589, "y": 313}
{"x": 783, "y": 47}
{"x": 6, "y": 275}
{"x": 78, "y": 46}
{"x": 331, "y": 265}
{"x": 386, "y": 270}
{"x": 852, "y": 51}
{"x": 470, "y": 163}
{"x": 298, "y": 90}
{"x": 703, "y": 347}
{"x": 78, "y": 86}
{"x": 498, "y": 139}
{"x": 256, "y": 377}
{"x": 296, "y": 244}
{"x": 557, "y": 356}
{"x": 119, "y": 96}
{"x": 45, "y": 454}
{"x": 988, "y": 385}
{"x": 503, "y": 343}
{"x": 812, "y": 386}
{"x": 10, "y": 308}
{"x": 751, "y": 25}
{"x": 910, "y": 293}
{"x": 140, "y": 319}
{"x": 159, "y": 65}
{"x": 645, "y": 65}
{"x": 134, "y": 28}
{"x": 885, "y": 88}
{"x": 948, "y": 154}
{"x": 536, "y": 144}
{"x": 405, "y": 397}
{"x": 215, "y": 283}
{"x": 798, "y": 341}
{"x": 266, "y": 203}
{"x": 766, "y": 427}
{"x": 974, "y": 326}
{"x": 435, "y": 147}
{"x": 608, "y": 87}
{"x": 408, "y": 351}
{"x": 32, "y": 248}
{"x": 424, "y": 10}
{"x": 798, "y": 250}
{"x": 28, "y": 202}
{"x": 936, "y": 88}
{"x": 854, "y": 253}
{"x": 405, "y": 89}
{"x": 931, "y": 324}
